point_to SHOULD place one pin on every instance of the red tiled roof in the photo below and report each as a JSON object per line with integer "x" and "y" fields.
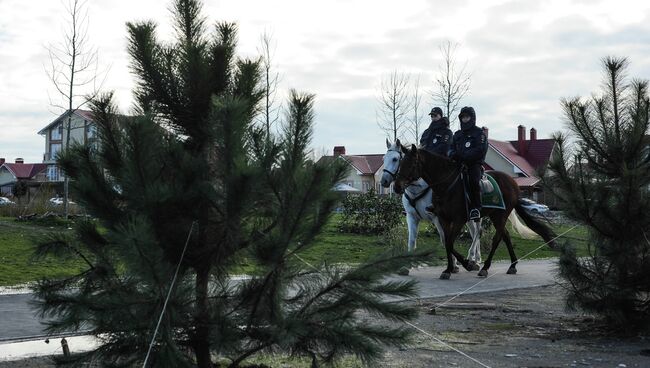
{"x": 366, "y": 164}
{"x": 510, "y": 153}
{"x": 538, "y": 151}
{"x": 25, "y": 171}
{"x": 526, "y": 182}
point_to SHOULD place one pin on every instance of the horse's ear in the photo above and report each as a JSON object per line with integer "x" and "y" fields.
{"x": 403, "y": 149}
{"x": 414, "y": 148}
{"x": 397, "y": 142}
{"x": 388, "y": 143}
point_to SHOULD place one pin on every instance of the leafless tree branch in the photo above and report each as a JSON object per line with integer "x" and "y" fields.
{"x": 73, "y": 67}
{"x": 394, "y": 104}
{"x": 452, "y": 83}
{"x": 271, "y": 109}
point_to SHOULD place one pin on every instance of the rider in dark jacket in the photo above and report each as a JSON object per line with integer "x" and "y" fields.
{"x": 469, "y": 146}
{"x": 437, "y": 137}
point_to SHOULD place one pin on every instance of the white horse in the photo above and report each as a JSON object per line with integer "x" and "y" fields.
{"x": 417, "y": 196}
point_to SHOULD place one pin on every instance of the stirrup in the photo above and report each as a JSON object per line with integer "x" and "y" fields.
{"x": 475, "y": 214}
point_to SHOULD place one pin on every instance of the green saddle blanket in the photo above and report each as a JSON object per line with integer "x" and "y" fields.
{"x": 493, "y": 199}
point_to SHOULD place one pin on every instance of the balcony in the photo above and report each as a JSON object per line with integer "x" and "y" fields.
{"x": 49, "y": 158}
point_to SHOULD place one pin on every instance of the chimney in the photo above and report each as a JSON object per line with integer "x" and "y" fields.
{"x": 339, "y": 150}
{"x": 533, "y": 134}
{"x": 20, "y": 161}
{"x": 521, "y": 139}
{"x": 2, "y": 161}
{"x": 485, "y": 131}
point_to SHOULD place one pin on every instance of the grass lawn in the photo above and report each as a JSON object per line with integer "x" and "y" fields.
{"x": 16, "y": 266}
{"x": 332, "y": 246}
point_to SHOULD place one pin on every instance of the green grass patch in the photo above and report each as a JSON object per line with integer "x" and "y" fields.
{"x": 331, "y": 246}
{"x": 16, "y": 247}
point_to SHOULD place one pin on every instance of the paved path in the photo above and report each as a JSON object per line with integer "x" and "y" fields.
{"x": 529, "y": 274}
{"x": 17, "y": 319}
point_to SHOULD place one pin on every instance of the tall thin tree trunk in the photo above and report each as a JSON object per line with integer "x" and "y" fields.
{"x": 201, "y": 337}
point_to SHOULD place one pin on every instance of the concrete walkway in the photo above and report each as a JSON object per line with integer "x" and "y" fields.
{"x": 19, "y": 322}
{"x": 529, "y": 274}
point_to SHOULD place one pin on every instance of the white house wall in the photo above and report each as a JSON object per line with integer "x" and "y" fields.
{"x": 497, "y": 162}
{"x": 6, "y": 177}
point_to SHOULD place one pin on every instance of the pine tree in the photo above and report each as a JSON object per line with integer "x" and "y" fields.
{"x": 604, "y": 183}
{"x": 190, "y": 178}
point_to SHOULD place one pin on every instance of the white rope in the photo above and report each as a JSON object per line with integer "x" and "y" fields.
{"x": 169, "y": 293}
{"x": 494, "y": 274}
{"x": 447, "y": 345}
{"x": 412, "y": 325}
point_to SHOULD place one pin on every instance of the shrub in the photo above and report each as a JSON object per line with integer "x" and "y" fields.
{"x": 369, "y": 213}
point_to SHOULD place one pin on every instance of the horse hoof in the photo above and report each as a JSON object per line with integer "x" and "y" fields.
{"x": 455, "y": 270}
{"x": 403, "y": 271}
{"x": 445, "y": 276}
{"x": 512, "y": 271}
{"x": 482, "y": 273}
{"x": 473, "y": 266}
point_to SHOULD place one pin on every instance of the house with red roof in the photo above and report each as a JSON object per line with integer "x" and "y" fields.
{"x": 82, "y": 130}
{"x": 11, "y": 173}
{"x": 521, "y": 159}
{"x": 365, "y": 170}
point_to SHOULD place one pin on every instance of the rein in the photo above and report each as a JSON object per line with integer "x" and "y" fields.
{"x": 460, "y": 172}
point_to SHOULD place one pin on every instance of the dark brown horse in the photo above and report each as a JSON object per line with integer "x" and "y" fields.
{"x": 443, "y": 175}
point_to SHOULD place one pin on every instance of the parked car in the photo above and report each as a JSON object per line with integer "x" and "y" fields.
{"x": 58, "y": 201}
{"x": 533, "y": 206}
{"x": 4, "y": 201}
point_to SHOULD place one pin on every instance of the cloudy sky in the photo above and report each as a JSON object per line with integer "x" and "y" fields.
{"x": 524, "y": 56}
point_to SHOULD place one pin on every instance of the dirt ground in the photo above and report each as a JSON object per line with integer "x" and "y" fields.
{"x": 518, "y": 328}
{"x": 515, "y": 328}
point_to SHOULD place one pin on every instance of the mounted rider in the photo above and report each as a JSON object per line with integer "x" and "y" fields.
{"x": 436, "y": 139}
{"x": 469, "y": 146}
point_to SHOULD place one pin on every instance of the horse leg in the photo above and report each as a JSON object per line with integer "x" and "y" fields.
{"x": 474, "y": 253}
{"x": 511, "y": 250}
{"x": 451, "y": 236}
{"x": 412, "y": 222}
{"x": 441, "y": 232}
{"x": 500, "y": 227}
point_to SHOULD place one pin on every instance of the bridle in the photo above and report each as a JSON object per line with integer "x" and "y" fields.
{"x": 399, "y": 163}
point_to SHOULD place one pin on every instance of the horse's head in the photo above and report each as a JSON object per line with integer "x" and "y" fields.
{"x": 409, "y": 170}
{"x": 392, "y": 160}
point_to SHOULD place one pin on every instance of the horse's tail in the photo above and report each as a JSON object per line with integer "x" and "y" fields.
{"x": 521, "y": 229}
{"x": 535, "y": 225}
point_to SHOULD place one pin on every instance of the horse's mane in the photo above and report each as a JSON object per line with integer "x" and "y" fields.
{"x": 436, "y": 156}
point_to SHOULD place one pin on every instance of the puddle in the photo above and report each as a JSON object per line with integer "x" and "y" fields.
{"x": 35, "y": 348}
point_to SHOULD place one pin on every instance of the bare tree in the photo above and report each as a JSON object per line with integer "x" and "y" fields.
{"x": 452, "y": 82}
{"x": 394, "y": 104}
{"x": 73, "y": 70}
{"x": 271, "y": 79}
{"x": 417, "y": 119}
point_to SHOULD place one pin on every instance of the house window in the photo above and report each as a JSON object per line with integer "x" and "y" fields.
{"x": 91, "y": 131}
{"x": 54, "y": 149}
{"x": 52, "y": 173}
{"x": 366, "y": 186}
{"x": 56, "y": 133}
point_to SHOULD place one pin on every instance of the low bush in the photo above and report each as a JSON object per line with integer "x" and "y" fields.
{"x": 369, "y": 213}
